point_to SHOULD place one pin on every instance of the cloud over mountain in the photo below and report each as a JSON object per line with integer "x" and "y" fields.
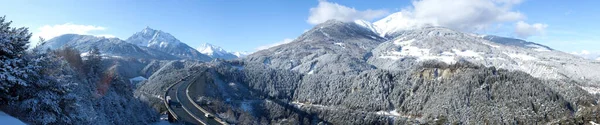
{"x": 328, "y": 10}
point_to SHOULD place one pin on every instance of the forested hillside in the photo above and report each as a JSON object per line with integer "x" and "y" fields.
{"x": 60, "y": 87}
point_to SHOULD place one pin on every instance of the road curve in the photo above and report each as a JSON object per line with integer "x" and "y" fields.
{"x": 187, "y": 112}
{"x": 182, "y": 116}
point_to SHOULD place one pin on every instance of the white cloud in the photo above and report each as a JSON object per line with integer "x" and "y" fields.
{"x": 465, "y": 14}
{"x": 598, "y": 58}
{"x": 51, "y": 31}
{"x": 284, "y": 41}
{"x": 525, "y": 30}
{"x": 327, "y": 10}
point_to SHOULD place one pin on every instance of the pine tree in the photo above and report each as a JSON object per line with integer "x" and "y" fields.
{"x": 93, "y": 64}
{"x": 35, "y": 87}
{"x": 14, "y": 70}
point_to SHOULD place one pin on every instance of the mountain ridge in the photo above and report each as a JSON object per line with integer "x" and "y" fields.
{"x": 167, "y": 43}
{"x": 215, "y": 51}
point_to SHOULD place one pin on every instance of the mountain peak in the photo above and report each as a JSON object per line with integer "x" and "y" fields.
{"x": 396, "y": 22}
{"x": 210, "y": 49}
{"x": 148, "y": 30}
{"x": 215, "y": 51}
{"x": 150, "y": 37}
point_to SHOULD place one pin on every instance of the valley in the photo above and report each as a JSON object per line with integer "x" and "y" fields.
{"x": 401, "y": 68}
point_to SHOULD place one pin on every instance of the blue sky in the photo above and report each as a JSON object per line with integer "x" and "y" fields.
{"x": 238, "y": 25}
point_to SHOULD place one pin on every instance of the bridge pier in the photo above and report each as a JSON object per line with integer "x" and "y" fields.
{"x": 170, "y": 117}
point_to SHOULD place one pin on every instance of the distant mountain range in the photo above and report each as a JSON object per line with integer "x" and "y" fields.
{"x": 148, "y": 43}
{"x": 109, "y": 47}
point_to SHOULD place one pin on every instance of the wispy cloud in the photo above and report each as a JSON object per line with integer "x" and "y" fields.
{"x": 525, "y": 30}
{"x": 328, "y": 10}
{"x": 284, "y": 41}
{"x": 464, "y": 15}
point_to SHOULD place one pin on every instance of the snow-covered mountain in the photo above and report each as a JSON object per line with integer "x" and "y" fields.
{"x": 333, "y": 47}
{"x": 110, "y": 47}
{"x": 165, "y": 42}
{"x": 215, "y": 51}
{"x": 410, "y": 40}
{"x": 449, "y": 46}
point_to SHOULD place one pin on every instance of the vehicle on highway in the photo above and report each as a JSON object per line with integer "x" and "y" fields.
{"x": 208, "y": 115}
{"x": 168, "y": 98}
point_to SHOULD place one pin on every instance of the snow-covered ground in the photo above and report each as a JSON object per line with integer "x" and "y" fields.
{"x": 389, "y": 113}
{"x": 164, "y": 121}
{"x": 6, "y": 119}
{"x": 591, "y": 90}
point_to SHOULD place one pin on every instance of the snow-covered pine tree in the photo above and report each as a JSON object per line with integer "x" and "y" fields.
{"x": 14, "y": 70}
{"x": 35, "y": 87}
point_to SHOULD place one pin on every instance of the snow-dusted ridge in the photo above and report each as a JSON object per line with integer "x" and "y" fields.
{"x": 165, "y": 42}
{"x": 449, "y": 46}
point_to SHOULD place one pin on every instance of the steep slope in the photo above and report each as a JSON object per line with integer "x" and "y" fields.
{"x": 110, "y": 47}
{"x": 331, "y": 47}
{"x": 428, "y": 92}
{"x": 165, "y": 42}
{"x": 215, "y": 51}
{"x": 449, "y": 46}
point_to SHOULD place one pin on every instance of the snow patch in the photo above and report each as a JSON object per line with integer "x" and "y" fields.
{"x": 85, "y": 54}
{"x": 520, "y": 56}
{"x": 411, "y": 51}
{"x": 594, "y": 123}
{"x": 467, "y": 53}
{"x": 136, "y": 80}
{"x": 340, "y": 44}
{"x": 299, "y": 104}
{"x": 400, "y": 42}
{"x": 389, "y": 113}
{"x": 591, "y": 90}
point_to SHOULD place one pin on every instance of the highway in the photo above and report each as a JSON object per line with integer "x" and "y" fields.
{"x": 184, "y": 108}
